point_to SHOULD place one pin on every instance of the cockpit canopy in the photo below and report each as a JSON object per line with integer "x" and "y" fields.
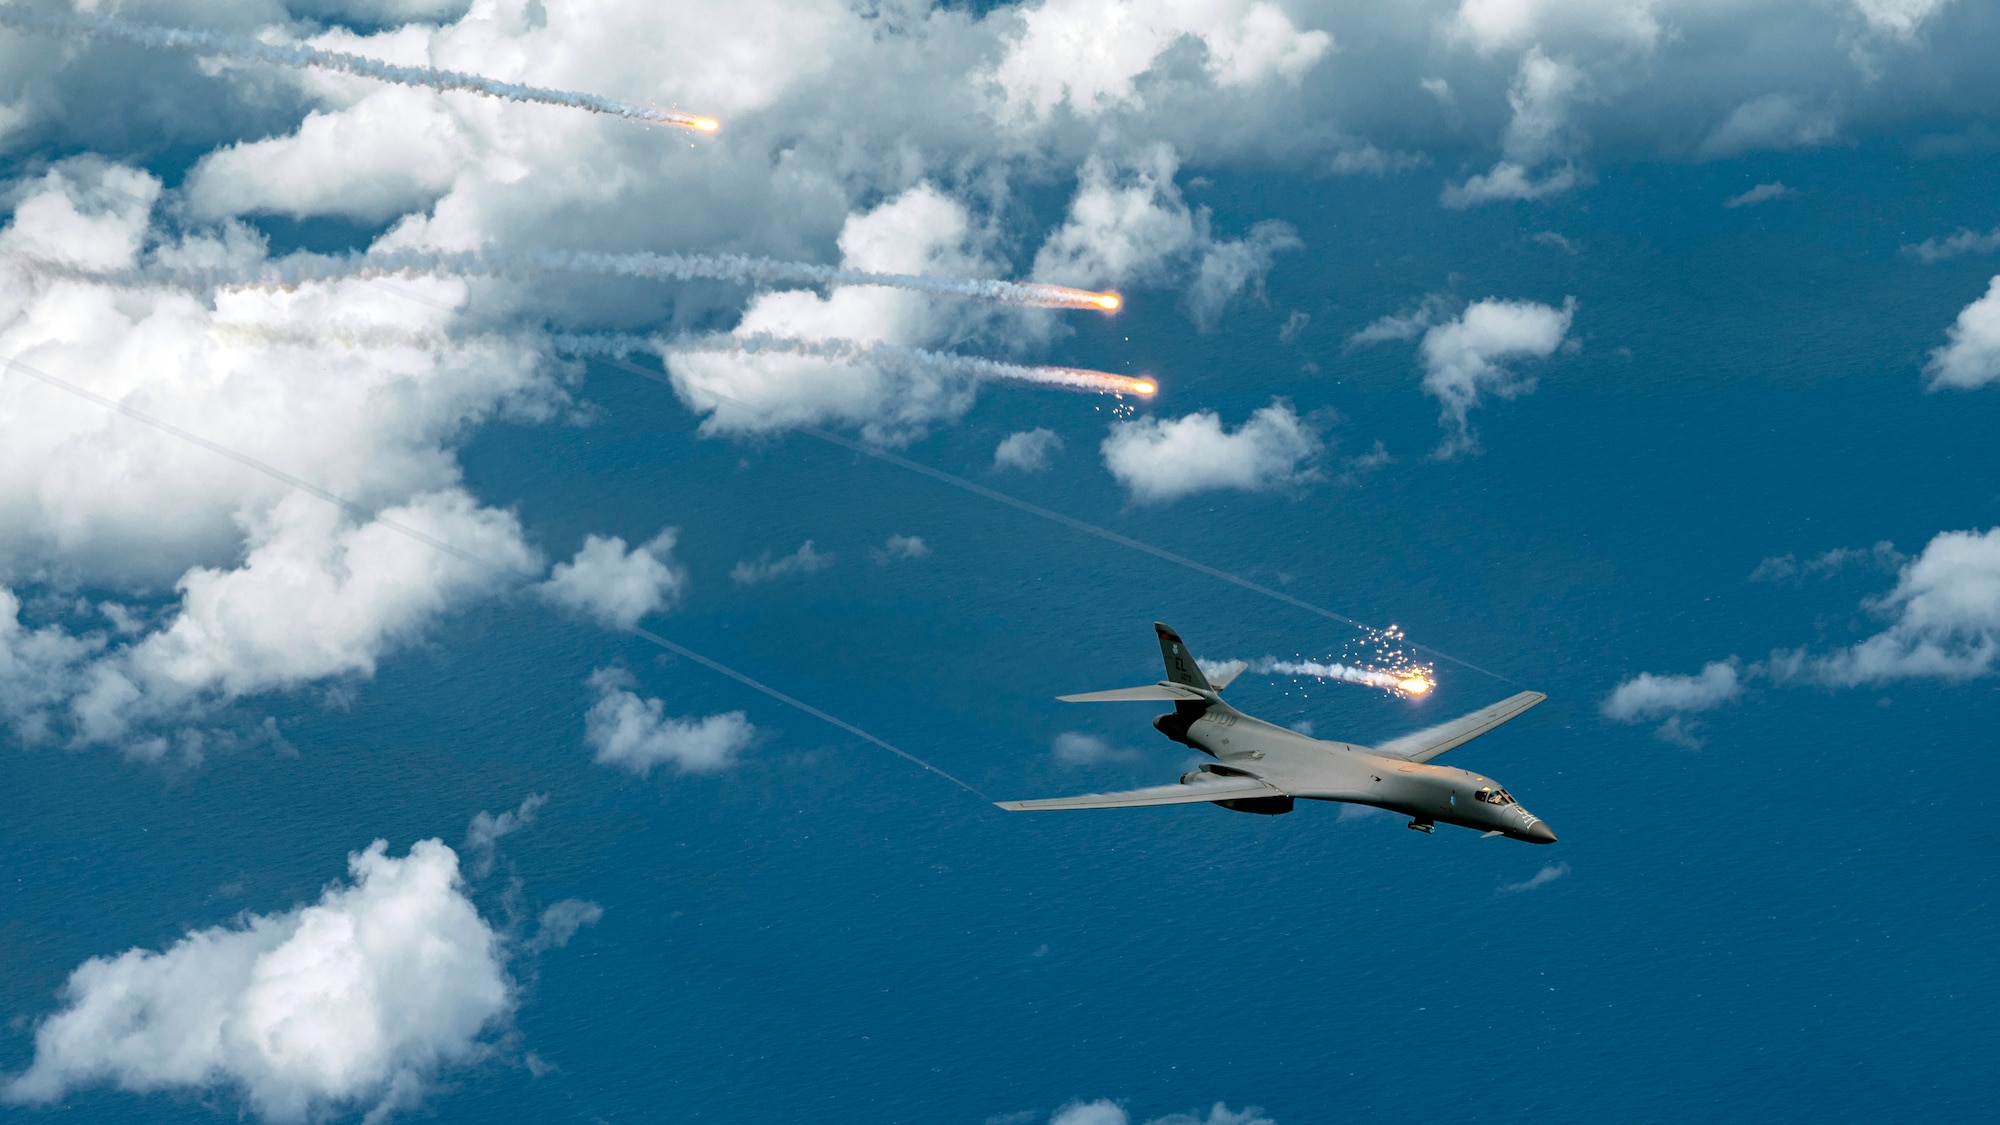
{"x": 1493, "y": 796}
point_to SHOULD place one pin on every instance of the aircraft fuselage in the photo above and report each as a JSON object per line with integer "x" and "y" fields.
{"x": 1321, "y": 770}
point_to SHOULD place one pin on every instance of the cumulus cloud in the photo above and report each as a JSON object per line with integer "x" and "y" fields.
{"x": 1898, "y": 18}
{"x": 1944, "y": 620}
{"x": 921, "y": 230}
{"x": 1762, "y": 193}
{"x": 636, "y": 734}
{"x": 1160, "y": 460}
{"x": 360, "y": 998}
{"x": 616, "y": 586}
{"x": 1647, "y": 697}
{"x": 1129, "y": 225}
{"x": 1491, "y": 26}
{"x": 1540, "y": 132}
{"x": 483, "y": 835}
{"x": 805, "y": 560}
{"x": 276, "y": 588}
{"x": 901, "y": 547}
{"x": 1074, "y": 748}
{"x": 388, "y": 154}
{"x": 1464, "y": 358}
{"x": 1970, "y": 357}
{"x": 1088, "y": 54}
{"x": 1028, "y": 451}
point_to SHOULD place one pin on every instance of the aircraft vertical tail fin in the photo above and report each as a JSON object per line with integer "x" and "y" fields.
{"x": 1181, "y": 668}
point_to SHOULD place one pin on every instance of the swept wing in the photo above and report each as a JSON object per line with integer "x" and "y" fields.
{"x": 1221, "y": 789}
{"x": 1427, "y": 744}
{"x": 1160, "y": 691}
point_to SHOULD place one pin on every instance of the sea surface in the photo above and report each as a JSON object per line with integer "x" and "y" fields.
{"x": 1792, "y": 921}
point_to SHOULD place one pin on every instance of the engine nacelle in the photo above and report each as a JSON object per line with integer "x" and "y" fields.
{"x": 1262, "y": 806}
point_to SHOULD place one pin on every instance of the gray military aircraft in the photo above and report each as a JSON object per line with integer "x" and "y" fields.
{"x": 1261, "y": 768}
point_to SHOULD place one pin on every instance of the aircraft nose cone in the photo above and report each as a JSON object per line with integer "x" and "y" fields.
{"x": 1541, "y": 833}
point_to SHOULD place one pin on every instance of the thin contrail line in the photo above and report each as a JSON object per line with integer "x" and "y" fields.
{"x": 350, "y": 506}
{"x": 1070, "y": 522}
{"x": 299, "y": 56}
{"x": 808, "y": 708}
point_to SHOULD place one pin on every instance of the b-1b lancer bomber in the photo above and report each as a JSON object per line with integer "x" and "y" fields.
{"x": 1262, "y": 768}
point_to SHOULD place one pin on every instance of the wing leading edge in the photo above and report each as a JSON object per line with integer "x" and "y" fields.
{"x": 1427, "y": 744}
{"x": 1228, "y": 789}
{"x": 1162, "y": 691}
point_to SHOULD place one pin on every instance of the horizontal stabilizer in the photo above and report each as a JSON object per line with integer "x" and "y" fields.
{"x": 1159, "y": 691}
{"x": 1427, "y": 744}
{"x": 1224, "y": 675}
{"x": 1221, "y": 789}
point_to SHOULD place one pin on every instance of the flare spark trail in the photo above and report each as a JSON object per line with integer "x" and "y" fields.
{"x": 301, "y": 269}
{"x": 855, "y": 352}
{"x": 1406, "y": 681}
{"x": 300, "y": 57}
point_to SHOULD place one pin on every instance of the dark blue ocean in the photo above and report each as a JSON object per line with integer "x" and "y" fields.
{"x": 1794, "y": 921}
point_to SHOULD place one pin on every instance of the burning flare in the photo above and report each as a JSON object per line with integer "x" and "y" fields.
{"x": 856, "y": 352}
{"x": 300, "y": 269}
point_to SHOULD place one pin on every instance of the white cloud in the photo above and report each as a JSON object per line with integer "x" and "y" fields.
{"x": 1406, "y": 325}
{"x": 920, "y": 231}
{"x": 635, "y": 734}
{"x": 1542, "y": 96}
{"x": 1762, "y": 193}
{"x": 561, "y": 921}
{"x": 39, "y": 669}
{"x": 1161, "y": 460}
{"x": 1961, "y": 241}
{"x": 1464, "y": 358}
{"x": 483, "y": 835}
{"x": 1646, "y": 697}
{"x": 1105, "y": 1112}
{"x": 1074, "y": 748}
{"x": 1673, "y": 699}
{"x": 1491, "y": 26}
{"x": 1556, "y": 239}
{"x": 1970, "y": 357}
{"x": 901, "y": 547}
{"x": 1129, "y": 225}
{"x": 1882, "y": 556}
{"x": 1898, "y": 18}
{"x": 359, "y": 998}
{"x": 316, "y": 597}
{"x": 1945, "y": 620}
{"x": 392, "y": 152}
{"x": 805, "y": 560}
{"x": 1088, "y": 54}
{"x": 276, "y": 588}
{"x": 1548, "y": 874}
{"x": 1029, "y": 451}
{"x": 1770, "y": 121}
{"x": 615, "y": 586}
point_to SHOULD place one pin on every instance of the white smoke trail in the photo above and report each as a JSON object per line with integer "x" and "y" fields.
{"x": 1373, "y": 677}
{"x": 300, "y": 57}
{"x": 300, "y": 269}
{"x": 1405, "y": 679}
{"x": 855, "y": 352}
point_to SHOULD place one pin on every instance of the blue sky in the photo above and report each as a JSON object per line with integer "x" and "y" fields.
{"x": 1638, "y": 353}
